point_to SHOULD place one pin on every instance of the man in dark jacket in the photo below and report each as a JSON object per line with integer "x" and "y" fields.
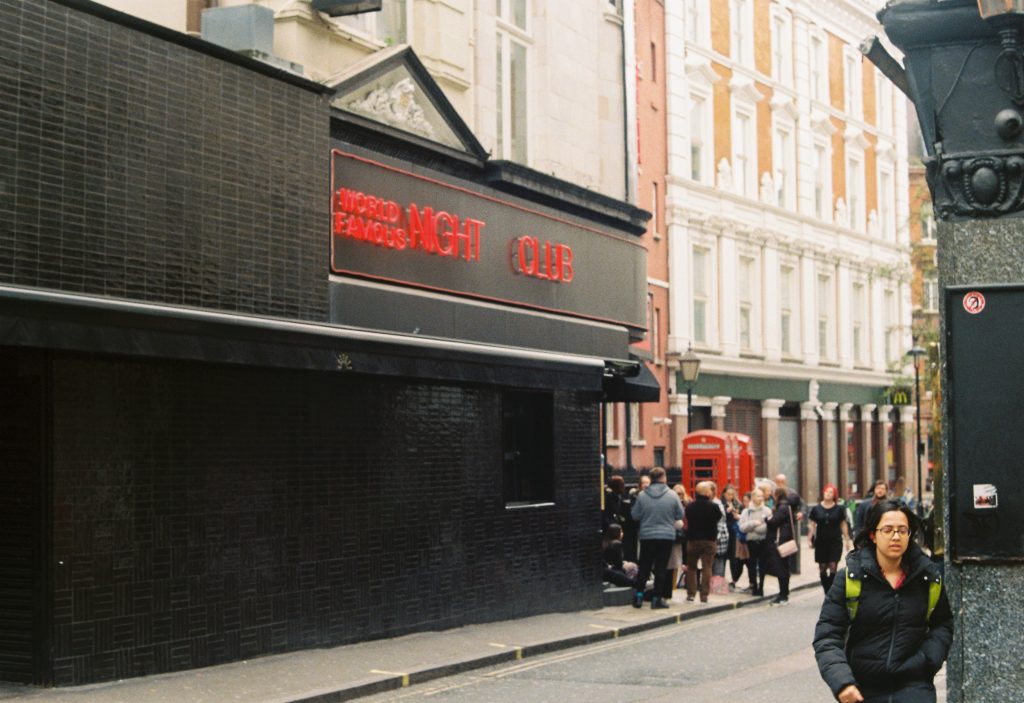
{"x": 878, "y": 493}
{"x": 659, "y": 513}
{"x": 702, "y": 516}
{"x": 798, "y": 508}
{"x": 893, "y": 650}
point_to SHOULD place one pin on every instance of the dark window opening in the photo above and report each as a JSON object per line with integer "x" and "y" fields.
{"x": 659, "y": 456}
{"x": 528, "y": 456}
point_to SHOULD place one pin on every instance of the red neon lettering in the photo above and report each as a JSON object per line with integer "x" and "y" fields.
{"x": 421, "y": 229}
{"x": 550, "y": 262}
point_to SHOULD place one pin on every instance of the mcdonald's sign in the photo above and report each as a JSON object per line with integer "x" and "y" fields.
{"x": 899, "y": 395}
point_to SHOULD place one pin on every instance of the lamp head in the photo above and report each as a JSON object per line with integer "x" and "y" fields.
{"x": 689, "y": 364}
{"x": 996, "y": 9}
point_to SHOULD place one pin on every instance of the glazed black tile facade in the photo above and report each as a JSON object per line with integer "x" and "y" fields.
{"x": 136, "y": 168}
{"x": 206, "y": 514}
{"x": 189, "y": 513}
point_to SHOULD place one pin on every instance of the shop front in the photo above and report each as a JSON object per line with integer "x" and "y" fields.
{"x": 293, "y": 379}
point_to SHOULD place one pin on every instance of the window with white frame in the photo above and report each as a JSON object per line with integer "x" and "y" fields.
{"x": 741, "y": 29}
{"x": 784, "y": 164}
{"x": 747, "y": 297}
{"x": 389, "y": 26}
{"x": 701, "y": 292}
{"x": 611, "y": 412}
{"x": 883, "y": 102}
{"x": 891, "y": 330}
{"x": 928, "y": 223}
{"x": 782, "y": 46}
{"x": 700, "y": 138}
{"x": 824, "y": 315}
{"x": 855, "y": 189}
{"x": 786, "y": 276}
{"x": 930, "y": 292}
{"x": 696, "y": 26}
{"x": 744, "y": 153}
{"x": 511, "y": 79}
{"x": 886, "y": 205}
{"x": 852, "y": 83}
{"x": 857, "y": 307}
{"x": 819, "y": 67}
{"x": 636, "y": 424}
{"x": 822, "y": 180}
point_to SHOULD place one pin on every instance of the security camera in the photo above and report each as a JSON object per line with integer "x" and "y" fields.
{"x": 819, "y": 411}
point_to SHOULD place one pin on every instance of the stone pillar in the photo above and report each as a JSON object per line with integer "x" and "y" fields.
{"x": 718, "y": 404}
{"x": 843, "y": 437}
{"x": 884, "y": 411}
{"x": 908, "y": 442}
{"x": 810, "y": 451}
{"x": 865, "y": 475}
{"x": 830, "y": 445}
{"x": 770, "y": 437}
{"x": 984, "y": 663}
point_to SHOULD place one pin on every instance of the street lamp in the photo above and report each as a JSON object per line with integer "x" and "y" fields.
{"x": 916, "y": 352}
{"x": 1005, "y": 17}
{"x": 689, "y": 363}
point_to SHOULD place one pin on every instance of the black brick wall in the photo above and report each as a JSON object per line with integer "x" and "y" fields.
{"x": 204, "y": 514}
{"x": 134, "y": 167}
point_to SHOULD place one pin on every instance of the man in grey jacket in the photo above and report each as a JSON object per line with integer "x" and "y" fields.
{"x": 659, "y": 513}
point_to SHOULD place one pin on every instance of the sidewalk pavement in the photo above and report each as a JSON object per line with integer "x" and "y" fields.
{"x": 352, "y": 671}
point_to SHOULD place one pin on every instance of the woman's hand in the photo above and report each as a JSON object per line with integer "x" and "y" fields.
{"x": 850, "y": 694}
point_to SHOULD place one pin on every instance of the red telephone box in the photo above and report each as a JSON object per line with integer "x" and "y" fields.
{"x": 721, "y": 457}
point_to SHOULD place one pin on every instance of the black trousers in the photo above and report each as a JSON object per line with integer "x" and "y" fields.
{"x": 755, "y": 564}
{"x": 654, "y": 554}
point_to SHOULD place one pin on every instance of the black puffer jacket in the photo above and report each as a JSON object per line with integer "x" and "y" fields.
{"x": 891, "y": 653}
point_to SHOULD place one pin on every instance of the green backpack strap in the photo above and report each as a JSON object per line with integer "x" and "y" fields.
{"x": 853, "y": 595}
{"x": 934, "y": 591}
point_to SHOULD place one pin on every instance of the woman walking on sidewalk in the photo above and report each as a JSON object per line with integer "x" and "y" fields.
{"x": 780, "y": 531}
{"x": 885, "y": 626}
{"x": 829, "y": 534}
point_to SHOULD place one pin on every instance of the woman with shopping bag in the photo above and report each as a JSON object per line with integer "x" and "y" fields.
{"x": 780, "y": 543}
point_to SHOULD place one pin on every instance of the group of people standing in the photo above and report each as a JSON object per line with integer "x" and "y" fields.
{"x": 703, "y": 536}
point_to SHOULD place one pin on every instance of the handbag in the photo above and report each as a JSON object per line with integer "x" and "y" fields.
{"x": 789, "y": 547}
{"x": 723, "y": 539}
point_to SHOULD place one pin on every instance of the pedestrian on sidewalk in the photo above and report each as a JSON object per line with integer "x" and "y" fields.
{"x": 799, "y": 508}
{"x": 781, "y": 528}
{"x": 879, "y": 492}
{"x": 702, "y": 516}
{"x": 677, "y": 559}
{"x": 659, "y": 514}
{"x": 754, "y": 523}
{"x": 888, "y": 644}
{"x": 732, "y": 507}
{"x": 829, "y": 533}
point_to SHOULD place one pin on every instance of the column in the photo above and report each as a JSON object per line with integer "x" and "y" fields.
{"x": 866, "y": 473}
{"x": 844, "y": 455}
{"x": 844, "y": 317}
{"x": 718, "y": 405}
{"x": 907, "y": 449}
{"x": 680, "y": 270}
{"x": 830, "y": 446}
{"x": 728, "y": 301}
{"x": 770, "y": 437}
{"x": 808, "y": 308}
{"x": 770, "y": 332}
{"x": 884, "y": 461}
{"x": 810, "y": 451}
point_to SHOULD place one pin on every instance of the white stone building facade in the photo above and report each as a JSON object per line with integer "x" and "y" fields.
{"x": 786, "y": 211}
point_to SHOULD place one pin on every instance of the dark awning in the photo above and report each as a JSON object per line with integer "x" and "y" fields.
{"x": 70, "y": 322}
{"x": 641, "y": 388}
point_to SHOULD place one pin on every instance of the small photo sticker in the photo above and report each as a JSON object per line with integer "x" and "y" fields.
{"x": 974, "y": 302}
{"x": 985, "y": 496}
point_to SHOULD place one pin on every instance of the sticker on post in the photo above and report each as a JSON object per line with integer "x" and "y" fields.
{"x": 974, "y": 302}
{"x": 985, "y": 496}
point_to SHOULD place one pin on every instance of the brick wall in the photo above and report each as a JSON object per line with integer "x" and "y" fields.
{"x": 205, "y": 514}
{"x": 134, "y": 167}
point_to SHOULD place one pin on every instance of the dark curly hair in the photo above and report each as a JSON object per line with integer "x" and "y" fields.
{"x": 875, "y": 515}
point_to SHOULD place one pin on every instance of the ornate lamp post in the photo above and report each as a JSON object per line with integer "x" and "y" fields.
{"x": 916, "y": 353}
{"x": 689, "y": 364}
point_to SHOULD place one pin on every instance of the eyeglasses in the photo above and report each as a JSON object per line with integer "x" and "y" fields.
{"x": 887, "y": 530}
